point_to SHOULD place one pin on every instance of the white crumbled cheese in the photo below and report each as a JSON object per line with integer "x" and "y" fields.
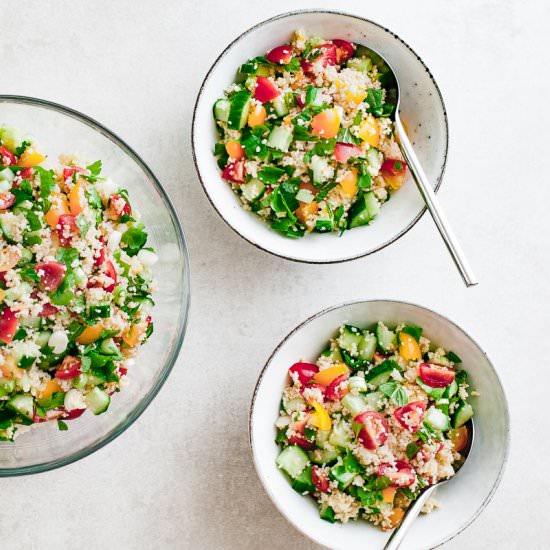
{"x": 148, "y": 258}
{"x": 74, "y": 399}
{"x": 58, "y": 341}
{"x": 114, "y": 240}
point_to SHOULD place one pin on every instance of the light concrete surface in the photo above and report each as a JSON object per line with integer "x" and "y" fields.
{"x": 182, "y": 476}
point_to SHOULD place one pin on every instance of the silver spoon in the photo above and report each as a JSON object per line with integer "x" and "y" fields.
{"x": 391, "y": 83}
{"x": 411, "y": 514}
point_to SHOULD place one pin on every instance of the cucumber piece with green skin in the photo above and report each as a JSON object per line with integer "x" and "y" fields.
{"x": 80, "y": 381}
{"x": 108, "y": 347}
{"x": 434, "y": 393}
{"x": 253, "y": 189}
{"x": 319, "y": 169}
{"x": 363, "y": 64}
{"x": 374, "y": 160}
{"x": 462, "y": 414}
{"x": 30, "y": 322}
{"x": 26, "y": 256}
{"x": 324, "y": 456}
{"x": 380, "y": 374}
{"x": 326, "y": 512}
{"x": 350, "y": 339}
{"x": 386, "y": 338}
{"x": 238, "y": 111}
{"x": 22, "y": 404}
{"x": 355, "y": 404}
{"x": 94, "y": 380}
{"x": 342, "y": 476}
{"x": 334, "y": 354}
{"x": 6, "y": 175}
{"x": 292, "y": 460}
{"x": 339, "y": 436}
{"x": 363, "y": 210}
{"x": 8, "y": 222}
{"x": 375, "y": 400}
{"x": 303, "y": 483}
{"x": 367, "y": 347}
{"x": 358, "y": 383}
{"x": 7, "y": 385}
{"x": 16, "y": 292}
{"x": 280, "y": 106}
{"x": 42, "y": 338}
{"x": 451, "y": 390}
{"x": 437, "y": 420}
{"x": 97, "y": 400}
{"x": 221, "y": 110}
{"x": 293, "y": 405}
{"x": 280, "y": 138}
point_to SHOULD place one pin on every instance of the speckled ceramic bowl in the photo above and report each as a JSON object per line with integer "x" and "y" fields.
{"x": 462, "y": 498}
{"x": 422, "y": 109}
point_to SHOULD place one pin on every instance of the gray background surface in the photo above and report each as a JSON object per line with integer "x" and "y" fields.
{"x": 182, "y": 476}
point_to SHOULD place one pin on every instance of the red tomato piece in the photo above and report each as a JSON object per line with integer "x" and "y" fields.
{"x": 400, "y": 474}
{"x": 314, "y": 386}
{"x": 8, "y": 325}
{"x": 280, "y": 55}
{"x": 394, "y": 167}
{"x": 325, "y": 58}
{"x": 299, "y": 437}
{"x": 99, "y": 254}
{"x": 51, "y": 274}
{"x": 435, "y": 375}
{"x": 27, "y": 173}
{"x": 234, "y": 171}
{"x": 66, "y": 229}
{"x": 3, "y": 276}
{"x": 305, "y": 372}
{"x": 69, "y": 368}
{"x": 319, "y": 480}
{"x": 68, "y": 171}
{"x": 375, "y": 429}
{"x": 410, "y": 416}
{"x": 344, "y": 50}
{"x": 6, "y": 200}
{"x": 265, "y": 89}
{"x": 343, "y": 151}
{"x": 337, "y": 388}
{"x": 48, "y": 310}
{"x": 7, "y": 158}
{"x": 75, "y": 413}
{"x": 110, "y": 271}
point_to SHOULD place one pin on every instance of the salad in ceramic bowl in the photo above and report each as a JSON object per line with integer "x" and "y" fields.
{"x": 378, "y": 417}
{"x": 306, "y": 138}
{"x": 75, "y": 286}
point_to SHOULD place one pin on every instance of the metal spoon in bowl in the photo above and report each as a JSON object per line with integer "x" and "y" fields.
{"x": 411, "y": 514}
{"x": 390, "y": 82}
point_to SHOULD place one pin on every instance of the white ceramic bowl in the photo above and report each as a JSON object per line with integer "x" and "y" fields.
{"x": 422, "y": 109}
{"x": 462, "y": 498}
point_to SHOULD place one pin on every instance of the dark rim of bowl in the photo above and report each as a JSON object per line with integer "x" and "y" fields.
{"x": 401, "y": 302}
{"x": 330, "y": 12}
{"x": 144, "y": 403}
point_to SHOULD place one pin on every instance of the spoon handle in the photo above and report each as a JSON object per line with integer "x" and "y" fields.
{"x": 434, "y": 207}
{"x": 411, "y": 514}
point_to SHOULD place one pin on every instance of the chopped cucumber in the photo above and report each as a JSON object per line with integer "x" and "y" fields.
{"x": 355, "y": 404}
{"x": 375, "y": 161}
{"x": 238, "y": 111}
{"x": 253, "y": 190}
{"x": 367, "y": 346}
{"x": 451, "y": 390}
{"x": 375, "y": 400}
{"x": 97, "y": 400}
{"x": 437, "y": 420}
{"x": 339, "y": 436}
{"x": 280, "y": 138}
{"x": 303, "y": 483}
{"x": 6, "y": 175}
{"x": 319, "y": 169}
{"x": 435, "y": 393}
{"x": 358, "y": 383}
{"x": 324, "y": 456}
{"x": 280, "y": 106}
{"x": 364, "y": 209}
{"x": 22, "y": 404}
{"x": 293, "y": 405}
{"x": 16, "y": 292}
{"x": 386, "y": 337}
{"x": 26, "y": 256}
{"x": 350, "y": 339}
{"x": 363, "y": 64}
{"x": 342, "y": 476}
{"x": 94, "y": 380}
{"x": 326, "y": 512}
{"x": 292, "y": 460}
{"x": 8, "y": 223}
{"x": 30, "y": 322}
{"x": 221, "y": 110}
{"x": 462, "y": 414}
{"x": 380, "y": 374}
{"x": 7, "y": 385}
{"x": 42, "y": 338}
{"x": 108, "y": 347}
{"x": 80, "y": 381}
{"x": 334, "y": 354}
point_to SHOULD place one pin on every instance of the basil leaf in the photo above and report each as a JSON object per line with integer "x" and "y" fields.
{"x": 271, "y": 174}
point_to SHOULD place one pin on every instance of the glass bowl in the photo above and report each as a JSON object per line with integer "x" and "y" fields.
{"x": 58, "y": 130}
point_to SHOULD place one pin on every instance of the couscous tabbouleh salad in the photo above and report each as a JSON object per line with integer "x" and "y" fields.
{"x": 75, "y": 287}
{"x": 381, "y": 415}
{"x": 306, "y": 138}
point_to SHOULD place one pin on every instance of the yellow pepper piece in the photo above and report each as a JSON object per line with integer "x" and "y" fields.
{"x": 408, "y": 347}
{"x": 326, "y": 376}
{"x": 89, "y": 335}
{"x": 349, "y": 183}
{"x": 51, "y": 387}
{"x": 2, "y": 295}
{"x": 58, "y": 208}
{"x": 320, "y": 418}
{"x": 30, "y": 158}
{"x": 369, "y": 131}
{"x": 355, "y": 95}
{"x": 388, "y": 494}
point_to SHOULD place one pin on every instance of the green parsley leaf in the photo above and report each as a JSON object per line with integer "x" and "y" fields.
{"x": 271, "y": 174}
{"x": 134, "y": 238}
{"x": 21, "y": 149}
{"x": 47, "y": 182}
{"x": 412, "y": 449}
{"x": 414, "y": 331}
{"x": 62, "y": 425}
{"x": 95, "y": 168}
{"x": 452, "y": 356}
